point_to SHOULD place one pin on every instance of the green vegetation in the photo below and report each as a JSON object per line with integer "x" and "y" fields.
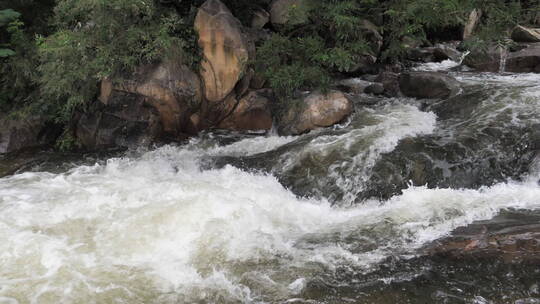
{"x": 54, "y": 53}
{"x": 56, "y": 73}
{"x": 334, "y": 40}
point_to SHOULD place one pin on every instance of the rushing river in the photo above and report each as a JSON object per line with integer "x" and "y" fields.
{"x": 244, "y": 219}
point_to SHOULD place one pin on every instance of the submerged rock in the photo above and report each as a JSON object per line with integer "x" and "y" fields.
{"x": 525, "y": 34}
{"x": 24, "y": 133}
{"x": 314, "y": 111}
{"x": 467, "y": 152}
{"x": 428, "y": 85}
{"x": 225, "y": 49}
{"x": 510, "y": 237}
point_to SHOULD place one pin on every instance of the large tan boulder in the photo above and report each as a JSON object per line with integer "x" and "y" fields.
{"x": 314, "y": 111}
{"x": 252, "y": 113}
{"x": 173, "y": 90}
{"x": 290, "y": 12}
{"x": 525, "y": 34}
{"x": 225, "y": 49}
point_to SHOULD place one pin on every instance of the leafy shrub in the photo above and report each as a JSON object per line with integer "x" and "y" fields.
{"x": 97, "y": 39}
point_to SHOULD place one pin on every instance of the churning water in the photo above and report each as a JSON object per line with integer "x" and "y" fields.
{"x": 165, "y": 227}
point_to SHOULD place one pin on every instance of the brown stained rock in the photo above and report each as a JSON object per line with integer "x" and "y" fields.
{"x": 173, "y": 90}
{"x": 225, "y": 49}
{"x": 252, "y": 113}
{"x": 511, "y": 237}
{"x": 315, "y": 111}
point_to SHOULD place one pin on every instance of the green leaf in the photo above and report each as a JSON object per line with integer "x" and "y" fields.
{"x": 8, "y": 15}
{"x": 6, "y": 53}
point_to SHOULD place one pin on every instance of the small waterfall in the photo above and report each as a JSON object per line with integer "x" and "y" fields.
{"x": 503, "y": 57}
{"x": 463, "y": 55}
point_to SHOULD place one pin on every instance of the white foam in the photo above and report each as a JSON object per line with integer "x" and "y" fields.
{"x": 437, "y": 66}
{"x": 141, "y": 231}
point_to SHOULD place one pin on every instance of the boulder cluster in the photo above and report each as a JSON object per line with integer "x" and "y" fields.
{"x": 170, "y": 101}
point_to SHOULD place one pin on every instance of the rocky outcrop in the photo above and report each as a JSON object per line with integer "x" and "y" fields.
{"x": 472, "y": 23}
{"x": 23, "y": 133}
{"x": 260, "y": 19}
{"x": 428, "y": 85}
{"x": 126, "y": 120}
{"x": 524, "y": 60}
{"x": 525, "y": 34}
{"x": 225, "y": 49}
{"x": 511, "y": 237}
{"x": 172, "y": 89}
{"x": 314, "y": 111}
{"x": 281, "y": 12}
{"x": 252, "y": 113}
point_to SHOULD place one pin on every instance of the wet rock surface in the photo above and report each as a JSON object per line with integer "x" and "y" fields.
{"x": 495, "y": 59}
{"x": 510, "y": 237}
{"x": 428, "y": 85}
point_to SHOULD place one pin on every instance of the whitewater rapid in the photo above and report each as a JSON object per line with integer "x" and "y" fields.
{"x": 159, "y": 227}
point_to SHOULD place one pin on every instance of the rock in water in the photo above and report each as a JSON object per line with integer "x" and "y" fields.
{"x": 252, "y": 113}
{"x": 225, "y": 49}
{"x": 525, "y": 34}
{"x": 428, "y": 85}
{"x": 314, "y": 111}
{"x": 525, "y": 60}
{"x": 511, "y": 237}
